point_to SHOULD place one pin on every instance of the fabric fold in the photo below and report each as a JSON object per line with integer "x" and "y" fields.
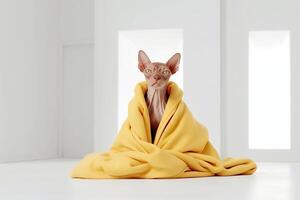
{"x": 181, "y": 147}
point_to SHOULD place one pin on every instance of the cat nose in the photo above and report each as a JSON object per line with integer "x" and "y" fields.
{"x": 156, "y": 77}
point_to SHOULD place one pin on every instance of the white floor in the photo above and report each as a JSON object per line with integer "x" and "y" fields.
{"x": 48, "y": 179}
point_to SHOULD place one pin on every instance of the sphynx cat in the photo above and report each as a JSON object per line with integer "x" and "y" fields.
{"x": 157, "y": 75}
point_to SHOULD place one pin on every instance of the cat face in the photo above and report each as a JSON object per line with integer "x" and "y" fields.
{"x": 157, "y": 74}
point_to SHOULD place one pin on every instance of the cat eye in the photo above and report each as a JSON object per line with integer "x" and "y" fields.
{"x": 166, "y": 72}
{"x": 148, "y": 71}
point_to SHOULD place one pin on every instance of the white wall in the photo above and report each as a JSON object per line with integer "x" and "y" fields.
{"x": 77, "y": 124}
{"x": 238, "y": 18}
{"x": 28, "y": 79}
{"x": 47, "y": 109}
{"x": 46, "y": 79}
{"x": 77, "y": 51}
{"x": 200, "y": 21}
{"x": 77, "y": 21}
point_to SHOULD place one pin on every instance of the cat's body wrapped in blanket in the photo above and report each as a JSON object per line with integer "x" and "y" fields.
{"x": 181, "y": 147}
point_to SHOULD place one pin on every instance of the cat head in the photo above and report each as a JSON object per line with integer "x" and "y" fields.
{"x": 157, "y": 74}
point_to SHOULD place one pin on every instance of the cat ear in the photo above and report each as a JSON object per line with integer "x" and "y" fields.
{"x": 173, "y": 63}
{"x": 143, "y": 60}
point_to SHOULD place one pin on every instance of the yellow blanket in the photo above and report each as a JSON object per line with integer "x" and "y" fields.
{"x": 181, "y": 147}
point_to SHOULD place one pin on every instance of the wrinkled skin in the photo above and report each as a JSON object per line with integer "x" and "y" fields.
{"x": 157, "y": 75}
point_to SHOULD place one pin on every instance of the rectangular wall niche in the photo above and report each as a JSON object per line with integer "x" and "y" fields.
{"x": 269, "y": 90}
{"x": 159, "y": 44}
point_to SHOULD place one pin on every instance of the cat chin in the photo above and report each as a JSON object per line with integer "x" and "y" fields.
{"x": 157, "y": 87}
